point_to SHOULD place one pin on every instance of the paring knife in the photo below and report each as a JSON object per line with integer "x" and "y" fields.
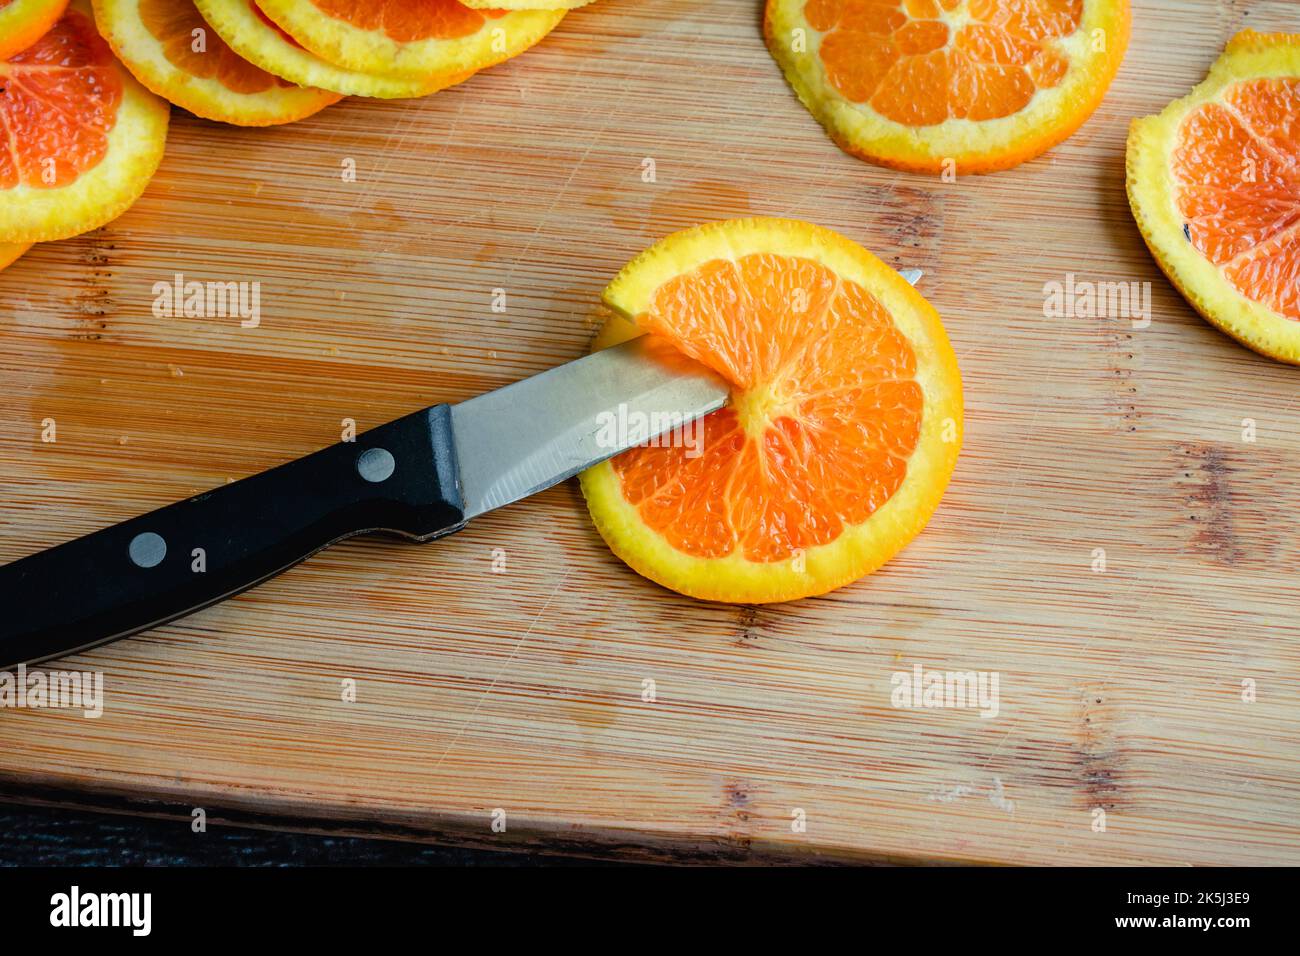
{"x": 422, "y": 476}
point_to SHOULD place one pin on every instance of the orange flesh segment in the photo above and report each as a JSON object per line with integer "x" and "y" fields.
{"x": 173, "y": 25}
{"x": 1237, "y": 166}
{"x": 58, "y": 103}
{"x": 911, "y": 66}
{"x": 824, "y": 412}
{"x": 406, "y": 21}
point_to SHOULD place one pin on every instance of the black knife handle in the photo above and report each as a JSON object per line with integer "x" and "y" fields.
{"x": 400, "y": 477}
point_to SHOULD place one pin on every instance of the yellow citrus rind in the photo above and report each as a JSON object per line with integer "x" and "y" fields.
{"x": 962, "y": 145}
{"x": 374, "y": 51}
{"x": 1153, "y": 197}
{"x": 260, "y": 44}
{"x": 23, "y": 22}
{"x": 861, "y": 548}
{"x": 102, "y": 193}
{"x": 10, "y": 251}
{"x": 145, "y": 56}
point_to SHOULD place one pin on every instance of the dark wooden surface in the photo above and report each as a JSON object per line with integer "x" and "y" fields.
{"x": 56, "y": 836}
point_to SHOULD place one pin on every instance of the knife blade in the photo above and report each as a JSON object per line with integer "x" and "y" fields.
{"x": 527, "y": 436}
{"x": 422, "y": 476}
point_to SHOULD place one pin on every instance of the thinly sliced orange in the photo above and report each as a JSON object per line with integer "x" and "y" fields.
{"x": 171, "y": 49}
{"x": 413, "y": 38}
{"x": 10, "y": 251}
{"x": 970, "y": 86}
{"x": 526, "y": 4}
{"x": 843, "y": 428}
{"x": 255, "y": 37}
{"x": 23, "y": 22}
{"x": 79, "y": 137}
{"x": 1214, "y": 184}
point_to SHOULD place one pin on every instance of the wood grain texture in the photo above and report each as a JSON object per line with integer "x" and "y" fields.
{"x": 522, "y": 691}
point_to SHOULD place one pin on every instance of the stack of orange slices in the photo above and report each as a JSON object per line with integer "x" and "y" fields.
{"x": 261, "y": 62}
{"x": 257, "y": 38}
{"x": 169, "y": 47}
{"x": 82, "y": 137}
{"x": 409, "y": 39}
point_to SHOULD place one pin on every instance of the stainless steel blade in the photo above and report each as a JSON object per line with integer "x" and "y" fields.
{"x": 535, "y": 433}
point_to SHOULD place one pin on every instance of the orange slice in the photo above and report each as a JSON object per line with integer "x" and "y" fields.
{"x": 1214, "y": 184}
{"x": 967, "y": 86}
{"x": 526, "y": 4}
{"x": 23, "y": 22}
{"x": 841, "y": 434}
{"x": 10, "y": 251}
{"x": 171, "y": 49}
{"x": 413, "y": 38}
{"x": 79, "y": 137}
{"x": 255, "y": 37}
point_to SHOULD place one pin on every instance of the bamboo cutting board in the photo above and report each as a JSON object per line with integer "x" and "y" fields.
{"x": 520, "y": 690}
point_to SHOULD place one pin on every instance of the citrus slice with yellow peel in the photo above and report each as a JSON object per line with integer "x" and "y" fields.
{"x": 171, "y": 49}
{"x": 967, "y": 86}
{"x": 1214, "y": 184}
{"x": 10, "y": 251}
{"x": 79, "y": 137}
{"x": 23, "y": 22}
{"x": 842, "y": 430}
{"x": 254, "y": 36}
{"x": 414, "y": 38}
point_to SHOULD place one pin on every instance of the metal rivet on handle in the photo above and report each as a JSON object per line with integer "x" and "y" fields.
{"x": 147, "y": 549}
{"x": 376, "y": 464}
